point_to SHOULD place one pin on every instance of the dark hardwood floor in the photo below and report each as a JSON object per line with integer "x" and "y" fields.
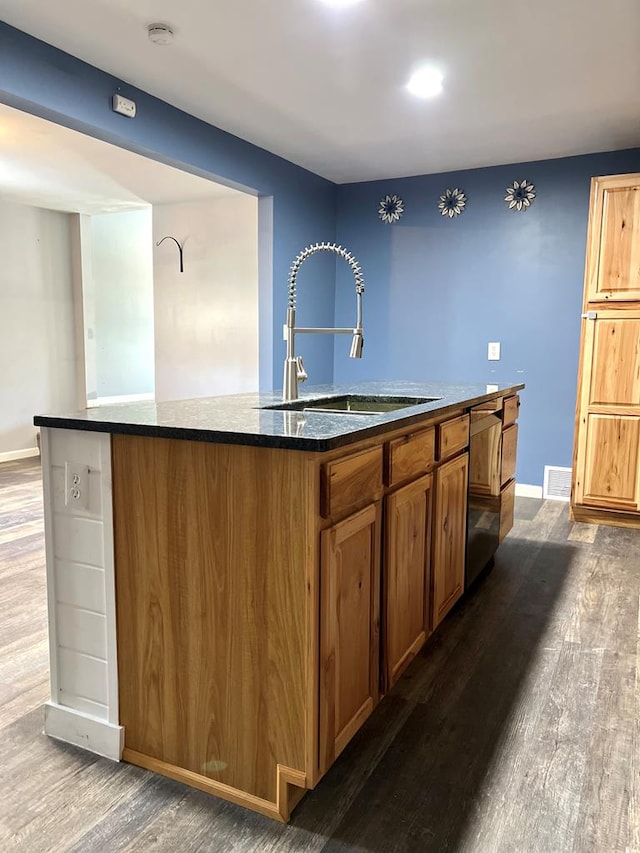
{"x": 515, "y": 731}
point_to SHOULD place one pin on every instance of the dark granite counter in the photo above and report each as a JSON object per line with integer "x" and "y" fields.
{"x": 239, "y": 418}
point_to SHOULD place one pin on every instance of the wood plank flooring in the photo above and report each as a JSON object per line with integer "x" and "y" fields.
{"x": 517, "y": 730}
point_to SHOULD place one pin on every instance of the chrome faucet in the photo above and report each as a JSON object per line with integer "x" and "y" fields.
{"x": 294, "y": 371}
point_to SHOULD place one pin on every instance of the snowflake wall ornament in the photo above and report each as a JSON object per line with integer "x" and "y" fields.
{"x": 391, "y": 209}
{"x": 520, "y": 195}
{"x": 452, "y": 203}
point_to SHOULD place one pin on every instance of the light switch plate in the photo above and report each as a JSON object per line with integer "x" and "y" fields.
{"x": 493, "y": 351}
{"x": 76, "y": 485}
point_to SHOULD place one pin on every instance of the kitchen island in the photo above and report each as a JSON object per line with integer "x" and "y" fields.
{"x": 233, "y": 588}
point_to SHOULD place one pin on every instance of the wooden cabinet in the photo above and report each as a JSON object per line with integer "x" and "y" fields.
{"x": 485, "y": 448}
{"x": 507, "y": 508}
{"x": 608, "y": 435}
{"x": 613, "y": 251}
{"x": 407, "y": 577}
{"x": 510, "y": 410}
{"x": 349, "y": 629}
{"x": 610, "y": 473}
{"x": 509, "y": 452}
{"x": 612, "y": 352}
{"x": 351, "y": 481}
{"x": 453, "y": 436}
{"x": 449, "y": 535}
{"x": 250, "y": 651}
{"x": 606, "y": 469}
{"x": 409, "y": 456}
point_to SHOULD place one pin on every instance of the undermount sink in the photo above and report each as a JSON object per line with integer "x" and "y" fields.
{"x": 352, "y": 404}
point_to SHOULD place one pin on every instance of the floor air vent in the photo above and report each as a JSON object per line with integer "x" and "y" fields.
{"x": 557, "y": 483}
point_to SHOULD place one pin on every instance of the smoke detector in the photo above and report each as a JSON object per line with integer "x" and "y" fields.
{"x": 160, "y": 33}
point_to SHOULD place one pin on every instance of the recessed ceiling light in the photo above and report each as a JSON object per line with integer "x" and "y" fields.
{"x": 425, "y": 82}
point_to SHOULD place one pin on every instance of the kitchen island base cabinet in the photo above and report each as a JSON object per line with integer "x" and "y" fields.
{"x": 258, "y": 600}
{"x": 349, "y": 629}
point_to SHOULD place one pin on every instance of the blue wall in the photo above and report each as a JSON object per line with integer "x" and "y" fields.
{"x": 42, "y": 80}
{"x": 437, "y": 291}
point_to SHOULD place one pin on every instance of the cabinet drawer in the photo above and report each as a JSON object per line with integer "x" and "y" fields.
{"x": 351, "y": 482}
{"x": 511, "y": 410}
{"x": 509, "y": 450}
{"x": 453, "y": 436}
{"x": 409, "y": 456}
{"x": 507, "y": 505}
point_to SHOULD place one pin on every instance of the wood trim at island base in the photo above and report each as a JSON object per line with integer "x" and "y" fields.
{"x": 287, "y": 779}
{"x": 591, "y": 515}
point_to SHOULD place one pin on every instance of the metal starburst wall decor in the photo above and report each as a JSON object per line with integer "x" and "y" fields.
{"x": 452, "y": 203}
{"x": 391, "y": 208}
{"x": 520, "y": 195}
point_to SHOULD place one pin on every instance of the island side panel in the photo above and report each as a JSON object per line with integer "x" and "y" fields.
{"x": 83, "y": 709}
{"x": 215, "y": 564}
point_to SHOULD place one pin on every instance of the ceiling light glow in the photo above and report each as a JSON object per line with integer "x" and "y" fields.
{"x": 425, "y": 82}
{"x": 341, "y": 4}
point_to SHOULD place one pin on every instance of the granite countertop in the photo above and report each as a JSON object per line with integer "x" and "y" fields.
{"x": 239, "y": 418}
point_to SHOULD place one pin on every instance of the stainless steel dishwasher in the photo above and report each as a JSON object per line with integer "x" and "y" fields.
{"x": 483, "y": 520}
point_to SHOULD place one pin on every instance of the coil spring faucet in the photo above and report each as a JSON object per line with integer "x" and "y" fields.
{"x": 294, "y": 371}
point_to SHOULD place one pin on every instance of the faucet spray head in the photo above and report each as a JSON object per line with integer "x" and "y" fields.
{"x": 357, "y": 344}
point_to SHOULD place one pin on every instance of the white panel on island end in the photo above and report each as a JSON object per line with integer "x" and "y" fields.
{"x": 83, "y": 709}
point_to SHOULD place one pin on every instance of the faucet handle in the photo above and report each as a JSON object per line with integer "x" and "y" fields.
{"x": 302, "y": 373}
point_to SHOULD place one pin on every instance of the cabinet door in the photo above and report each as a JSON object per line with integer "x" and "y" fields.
{"x": 406, "y": 584}
{"x": 349, "y": 629}
{"x": 484, "y": 472}
{"x": 509, "y": 453}
{"x": 613, "y": 253}
{"x": 607, "y": 434}
{"x": 610, "y": 475}
{"x": 612, "y": 360}
{"x": 507, "y": 508}
{"x": 449, "y": 535}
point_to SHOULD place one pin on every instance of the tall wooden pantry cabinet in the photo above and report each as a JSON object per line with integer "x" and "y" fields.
{"x": 606, "y": 469}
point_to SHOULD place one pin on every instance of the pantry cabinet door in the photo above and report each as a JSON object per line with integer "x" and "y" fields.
{"x": 613, "y": 253}
{"x": 609, "y": 475}
{"x": 612, "y": 350}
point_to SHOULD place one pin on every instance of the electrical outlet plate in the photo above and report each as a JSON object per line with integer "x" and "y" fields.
{"x": 76, "y": 485}
{"x": 493, "y": 351}
{"x": 124, "y": 106}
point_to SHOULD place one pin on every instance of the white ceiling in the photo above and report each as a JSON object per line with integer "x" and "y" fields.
{"x": 46, "y": 165}
{"x": 524, "y": 79}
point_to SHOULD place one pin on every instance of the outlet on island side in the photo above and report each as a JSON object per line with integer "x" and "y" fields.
{"x": 76, "y": 485}
{"x": 493, "y": 351}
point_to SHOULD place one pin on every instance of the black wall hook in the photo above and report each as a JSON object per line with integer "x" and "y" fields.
{"x": 179, "y": 249}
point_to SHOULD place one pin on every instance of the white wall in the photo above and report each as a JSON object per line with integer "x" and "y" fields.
{"x": 206, "y": 318}
{"x": 119, "y": 288}
{"x": 37, "y": 336}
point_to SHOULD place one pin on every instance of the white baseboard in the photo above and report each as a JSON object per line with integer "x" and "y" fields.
{"x": 525, "y": 491}
{"x": 125, "y": 398}
{"x": 84, "y": 731}
{"x": 12, "y": 455}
